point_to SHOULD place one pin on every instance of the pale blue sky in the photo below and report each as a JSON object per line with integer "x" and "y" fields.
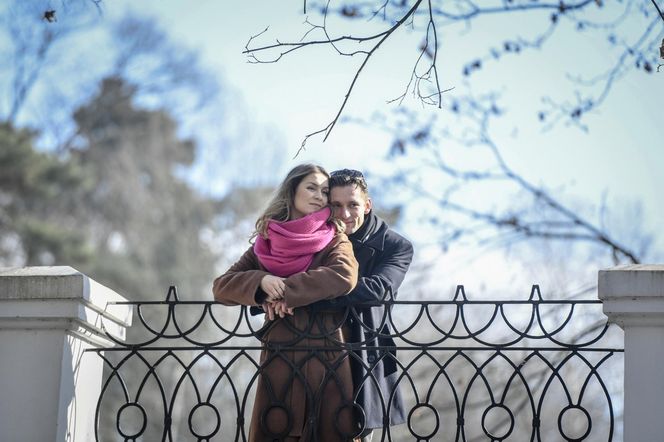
{"x": 622, "y": 154}
{"x": 301, "y": 92}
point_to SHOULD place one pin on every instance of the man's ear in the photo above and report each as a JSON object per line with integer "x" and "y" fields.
{"x": 367, "y": 206}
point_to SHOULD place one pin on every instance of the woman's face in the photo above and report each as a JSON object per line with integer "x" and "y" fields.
{"x": 310, "y": 195}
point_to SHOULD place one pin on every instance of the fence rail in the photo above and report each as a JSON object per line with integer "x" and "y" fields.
{"x": 468, "y": 370}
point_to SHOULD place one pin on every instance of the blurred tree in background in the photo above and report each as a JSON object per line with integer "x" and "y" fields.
{"x": 144, "y": 221}
{"x": 94, "y": 153}
{"x": 38, "y": 198}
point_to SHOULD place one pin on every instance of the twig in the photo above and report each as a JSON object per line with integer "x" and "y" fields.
{"x": 384, "y": 36}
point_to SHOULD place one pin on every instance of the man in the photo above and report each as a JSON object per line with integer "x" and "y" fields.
{"x": 384, "y": 257}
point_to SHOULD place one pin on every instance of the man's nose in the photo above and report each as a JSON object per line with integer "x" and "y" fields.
{"x": 339, "y": 212}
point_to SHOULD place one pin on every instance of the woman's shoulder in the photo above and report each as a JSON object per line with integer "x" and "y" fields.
{"x": 339, "y": 241}
{"x": 338, "y": 238}
{"x": 247, "y": 260}
{"x": 339, "y": 249}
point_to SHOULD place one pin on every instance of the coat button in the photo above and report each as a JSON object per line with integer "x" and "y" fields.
{"x": 371, "y": 359}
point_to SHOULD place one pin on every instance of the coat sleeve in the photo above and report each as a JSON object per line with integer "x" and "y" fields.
{"x": 241, "y": 283}
{"x": 336, "y": 276}
{"x": 386, "y": 276}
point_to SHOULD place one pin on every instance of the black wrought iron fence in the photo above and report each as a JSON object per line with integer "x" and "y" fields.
{"x": 468, "y": 370}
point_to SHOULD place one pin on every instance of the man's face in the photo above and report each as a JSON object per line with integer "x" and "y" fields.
{"x": 350, "y": 205}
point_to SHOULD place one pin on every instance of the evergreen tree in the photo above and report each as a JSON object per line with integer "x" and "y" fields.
{"x": 145, "y": 221}
{"x": 38, "y": 192}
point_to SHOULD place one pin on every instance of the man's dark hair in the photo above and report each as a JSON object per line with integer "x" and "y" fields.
{"x": 349, "y": 177}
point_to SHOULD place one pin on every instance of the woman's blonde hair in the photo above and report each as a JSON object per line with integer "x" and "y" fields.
{"x": 281, "y": 207}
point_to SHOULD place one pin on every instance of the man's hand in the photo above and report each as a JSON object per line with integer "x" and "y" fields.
{"x": 281, "y": 309}
{"x": 268, "y": 308}
{"x": 277, "y": 308}
{"x": 274, "y": 287}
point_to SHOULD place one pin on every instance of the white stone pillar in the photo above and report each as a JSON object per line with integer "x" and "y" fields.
{"x": 49, "y": 385}
{"x": 633, "y": 297}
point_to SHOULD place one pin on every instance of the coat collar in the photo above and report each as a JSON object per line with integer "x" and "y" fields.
{"x": 372, "y": 233}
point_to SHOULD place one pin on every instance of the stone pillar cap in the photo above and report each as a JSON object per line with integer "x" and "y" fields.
{"x": 61, "y": 297}
{"x": 632, "y": 280}
{"x": 633, "y": 294}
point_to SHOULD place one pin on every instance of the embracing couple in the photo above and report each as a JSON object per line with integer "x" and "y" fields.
{"x": 319, "y": 257}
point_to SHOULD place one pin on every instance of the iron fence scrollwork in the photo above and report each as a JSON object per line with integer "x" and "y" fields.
{"x": 468, "y": 370}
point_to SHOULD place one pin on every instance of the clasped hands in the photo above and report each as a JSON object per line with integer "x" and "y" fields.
{"x": 274, "y": 287}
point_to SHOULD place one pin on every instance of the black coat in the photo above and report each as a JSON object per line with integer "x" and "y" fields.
{"x": 384, "y": 257}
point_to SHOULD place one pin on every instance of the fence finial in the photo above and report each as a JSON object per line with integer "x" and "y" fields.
{"x": 172, "y": 294}
{"x": 535, "y": 291}
{"x": 462, "y": 291}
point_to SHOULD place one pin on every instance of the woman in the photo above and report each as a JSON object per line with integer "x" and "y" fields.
{"x": 300, "y": 255}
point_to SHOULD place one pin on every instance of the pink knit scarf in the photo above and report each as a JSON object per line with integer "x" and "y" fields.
{"x": 290, "y": 245}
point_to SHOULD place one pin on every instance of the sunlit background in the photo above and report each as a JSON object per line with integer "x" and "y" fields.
{"x": 140, "y": 140}
{"x": 247, "y": 122}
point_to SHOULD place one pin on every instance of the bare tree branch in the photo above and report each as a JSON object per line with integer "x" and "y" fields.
{"x": 659, "y": 11}
{"x": 376, "y": 40}
{"x": 33, "y": 38}
{"x": 572, "y": 112}
{"x": 424, "y": 82}
{"x": 546, "y": 217}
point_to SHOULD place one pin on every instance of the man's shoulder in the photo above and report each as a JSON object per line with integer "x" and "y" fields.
{"x": 389, "y": 239}
{"x": 396, "y": 241}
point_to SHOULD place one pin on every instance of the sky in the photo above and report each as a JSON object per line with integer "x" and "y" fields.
{"x": 619, "y": 158}
{"x": 621, "y": 153}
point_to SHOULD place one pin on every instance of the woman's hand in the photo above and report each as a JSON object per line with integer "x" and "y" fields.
{"x": 274, "y": 287}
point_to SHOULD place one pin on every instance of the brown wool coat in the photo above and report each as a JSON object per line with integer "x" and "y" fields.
{"x": 316, "y": 387}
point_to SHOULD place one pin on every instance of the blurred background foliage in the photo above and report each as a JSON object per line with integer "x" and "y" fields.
{"x": 93, "y": 165}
